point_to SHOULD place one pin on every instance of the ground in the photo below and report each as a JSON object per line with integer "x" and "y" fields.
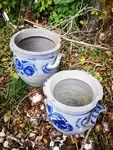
{"x": 23, "y": 128}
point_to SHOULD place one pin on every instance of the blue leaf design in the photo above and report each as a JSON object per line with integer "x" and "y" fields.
{"x": 49, "y": 108}
{"x": 46, "y": 70}
{"x": 81, "y": 122}
{"x": 18, "y": 64}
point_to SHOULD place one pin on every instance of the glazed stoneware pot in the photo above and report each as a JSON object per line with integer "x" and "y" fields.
{"x": 72, "y": 101}
{"x": 36, "y": 54}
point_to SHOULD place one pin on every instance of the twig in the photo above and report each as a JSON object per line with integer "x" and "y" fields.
{"x": 81, "y": 63}
{"x": 85, "y": 140}
{"x": 22, "y": 101}
{"x": 33, "y": 23}
{"x": 70, "y": 27}
{"x": 71, "y": 40}
{"x": 74, "y": 141}
{"x": 108, "y": 90}
{"x": 85, "y": 44}
{"x": 81, "y": 12}
{"x": 14, "y": 139}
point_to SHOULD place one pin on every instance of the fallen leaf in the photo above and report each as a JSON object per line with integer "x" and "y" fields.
{"x": 82, "y": 22}
{"x": 82, "y": 59}
{"x": 102, "y": 36}
{"x": 44, "y": 141}
{"x": 22, "y": 125}
{"x": 97, "y": 75}
{"x": 100, "y": 79}
{"x": 4, "y": 59}
{"x": 7, "y": 116}
{"x": 112, "y": 9}
{"x": 98, "y": 128}
{"x": 15, "y": 75}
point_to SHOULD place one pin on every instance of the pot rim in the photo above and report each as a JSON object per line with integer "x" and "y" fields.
{"x": 73, "y": 74}
{"x": 36, "y": 32}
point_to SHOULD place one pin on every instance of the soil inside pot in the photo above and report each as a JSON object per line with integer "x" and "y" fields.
{"x": 36, "y": 44}
{"x": 73, "y": 92}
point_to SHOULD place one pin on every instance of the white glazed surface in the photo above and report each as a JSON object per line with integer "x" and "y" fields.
{"x": 67, "y": 119}
{"x": 35, "y": 76}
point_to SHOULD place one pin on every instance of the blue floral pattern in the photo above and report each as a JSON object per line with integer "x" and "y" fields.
{"x": 24, "y": 67}
{"x": 58, "y": 120}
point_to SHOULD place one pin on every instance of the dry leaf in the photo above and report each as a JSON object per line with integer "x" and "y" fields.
{"x": 97, "y": 75}
{"x": 44, "y": 141}
{"x": 82, "y": 59}
{"x": 102, "y": 36}
{"x": 7, "y": 116}
{"x": 4, "y": 59}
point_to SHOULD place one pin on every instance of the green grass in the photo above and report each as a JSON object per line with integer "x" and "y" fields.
{"x": 15, "y": 91}
{"x": 11, "y": 89}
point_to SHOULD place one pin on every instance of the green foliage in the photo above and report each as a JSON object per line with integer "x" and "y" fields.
{"x": 54, "y": 10}
{"x": 63, "y": 1}
{"x": 57, "y": 10}
{"x": 15, "y": 91}
{"x": 13, "y": 8}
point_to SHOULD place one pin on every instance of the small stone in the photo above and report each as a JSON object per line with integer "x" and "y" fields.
{"x": 64, "y": 137}
{"x": 22, "y": 125}
{"x": 76, "y": 54}
{"x": 1, "y": 139}
{"x": 39, "y": 138}
{"x": 34, "y": 121}
{"x": 6, "y": 144}
{"x": 2, "y": 134}
{"x": 33, "y": 144}
{"x": 36, "y": 98}
{"x": 21, "y": 27}
{"x": 88, "y": 146}
{"x": 32, "y": 134}
{"x": 106, "y": 127}
{"x": 52, "y": 143}
{"x": 56, "y": 148}
{"x": 42, "y": 107}
{"x": 108, "y": 53}
{"x": 58, "y": 138}
{"x": 22, "y": 140}
{"x": 19, "y": 135}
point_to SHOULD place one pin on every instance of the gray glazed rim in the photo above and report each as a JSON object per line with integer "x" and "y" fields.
{"x": 59, "y": 76}
{"x": 41, "y": 32}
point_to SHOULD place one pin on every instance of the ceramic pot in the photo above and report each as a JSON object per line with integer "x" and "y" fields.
{"x": 36, "y": 54}
{"x": 72, "y": 101}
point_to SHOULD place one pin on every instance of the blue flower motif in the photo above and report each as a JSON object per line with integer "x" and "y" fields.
{"x": 24, "y": 67}
{"x": 29, "y": 71}
{"x": 58, "y": 120}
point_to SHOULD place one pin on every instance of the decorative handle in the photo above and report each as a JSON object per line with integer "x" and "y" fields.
{"x": 57, "y": 62}
{"x": 94, "y": 115}
{"x": 47, "y": 69}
